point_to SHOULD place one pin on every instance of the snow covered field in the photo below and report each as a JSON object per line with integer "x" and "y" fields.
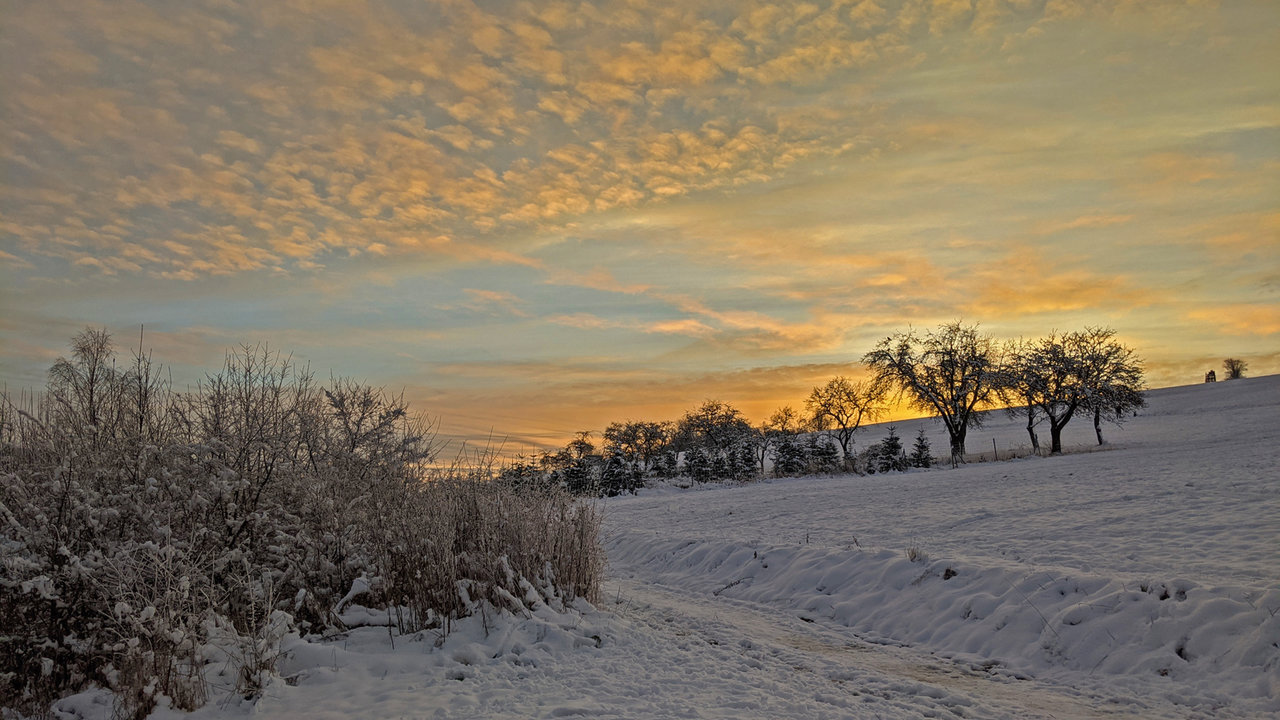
{"x": 1141, "y": 580}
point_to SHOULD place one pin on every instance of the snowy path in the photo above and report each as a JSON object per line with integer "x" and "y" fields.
{"x": 808, "y": 658}
{"x": 663, "y": 652}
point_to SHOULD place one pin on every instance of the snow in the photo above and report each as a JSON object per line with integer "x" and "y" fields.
{"x": 1138, "y": 580}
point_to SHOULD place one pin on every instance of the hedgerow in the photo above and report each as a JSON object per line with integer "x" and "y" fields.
{"x": 140, "y": 525}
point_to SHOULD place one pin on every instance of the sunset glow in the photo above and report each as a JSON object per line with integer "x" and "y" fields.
{"x": 539, "y": 217}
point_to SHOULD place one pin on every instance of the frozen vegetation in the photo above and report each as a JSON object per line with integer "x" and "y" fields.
{"x": 1135, "y": 580}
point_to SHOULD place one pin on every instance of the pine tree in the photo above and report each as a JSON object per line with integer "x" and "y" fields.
{"x": 892, "y": 456}
{"x": 618, "y": 477}
{"x": 697, "y": 465}
{"x": 667, "y": 465}
{"x": 744, "y": 463}
{"x": 824, "y": 455}
{"x": 789, "y": 458}
{"x": 921, "y": 455}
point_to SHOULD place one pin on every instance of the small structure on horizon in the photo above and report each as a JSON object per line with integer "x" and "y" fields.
{"x": 1211, "y": 376}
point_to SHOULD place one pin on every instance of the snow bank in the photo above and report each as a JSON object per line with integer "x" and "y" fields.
{"x": 1217, "y": 645}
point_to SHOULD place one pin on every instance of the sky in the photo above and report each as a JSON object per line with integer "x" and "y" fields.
{"x": 540, "y": 217}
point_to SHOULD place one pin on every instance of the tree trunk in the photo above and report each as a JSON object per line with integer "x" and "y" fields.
{"x": 1031, "y": 429}
{"x": 1055, "y": 437}
{"x": 844, "y": 438}
{"x": 957, "y": 447}
{"x": 1097, "y": 424}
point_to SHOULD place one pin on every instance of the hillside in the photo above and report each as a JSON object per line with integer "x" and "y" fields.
{"x": 1139, "y": 581}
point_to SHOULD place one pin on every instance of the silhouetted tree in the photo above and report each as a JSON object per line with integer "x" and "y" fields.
{"x": 892, "y": 456}
{"x": 1235, "y": 368}
{"x": 841, "y": 406}
{"x": 953, "y": 371}
{"x": 1018, "y": 389}
{"x": 720, "y": 432}
{"x": 921, "y": 455}
{"x": 781, "y": 427}
{"x": 1087, "y": 370}
{"x": 639, "y": 443}
{"x": 1114, "y": 373}
{"x": 579, "y": 466}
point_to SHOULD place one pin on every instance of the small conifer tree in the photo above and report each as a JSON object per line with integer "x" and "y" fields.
{"x": 697, "y": 465}
{"x": 921, "y": 455}
{"x": 892, "y": 456}
{"x": 824, "y": 454}
{"x": 667, "y": 465}
{"x": 743, "y": 463}
{"x": 618, "y": 477}
{"x": 790, "y": 458}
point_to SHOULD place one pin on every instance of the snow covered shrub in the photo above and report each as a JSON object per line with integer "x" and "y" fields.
{"x": 457, "y": 539}
{"x": 136, "y": 521}
{"x": 618, "y": 477}
{"x": 257, "y": 651}
{"x": 155, "y": 633}
{"x": 868, "y": 461}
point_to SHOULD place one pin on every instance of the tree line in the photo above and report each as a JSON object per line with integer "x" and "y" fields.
{"x": 955, "y": 372}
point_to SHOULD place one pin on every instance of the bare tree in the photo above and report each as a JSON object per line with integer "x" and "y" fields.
{"x": 783, "y": 423}
{"x": 717, "y": 431}
{"x": 637, "y": 442}
{"x": 1018, "y": 390}
{"x": 1235, "y": 368}
{"x": 86, "y": 389}
{"x": 785, "y": 420}
{"x": 1048, "y": 374}
{"x": 717, "y": 426}
{"x": 1114, "y": 377}
{"x": 841, "y": 406}
{"x": 954, "y": 371}
{"x": 1088, "y": 370}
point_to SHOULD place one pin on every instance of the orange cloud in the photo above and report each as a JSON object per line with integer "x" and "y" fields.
{"x": 492, "y": 302}
{"x": 1250, "y": 319}
{"x": 1085, "y": 221}
{"x": 1025, "y": 282}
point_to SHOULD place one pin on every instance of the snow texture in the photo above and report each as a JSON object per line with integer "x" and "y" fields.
{"x": 1136, "y": 580}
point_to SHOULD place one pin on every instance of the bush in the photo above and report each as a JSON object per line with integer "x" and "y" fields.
{"x": 136, "y": 524}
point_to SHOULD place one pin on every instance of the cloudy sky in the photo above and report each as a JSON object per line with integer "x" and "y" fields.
{"x": 538, "y": 217}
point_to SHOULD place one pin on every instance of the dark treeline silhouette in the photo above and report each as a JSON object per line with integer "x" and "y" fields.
{"x": 955, "y": 373}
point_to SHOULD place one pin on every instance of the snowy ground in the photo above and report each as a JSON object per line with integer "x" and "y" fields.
{"x": 1138, "y": 581}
